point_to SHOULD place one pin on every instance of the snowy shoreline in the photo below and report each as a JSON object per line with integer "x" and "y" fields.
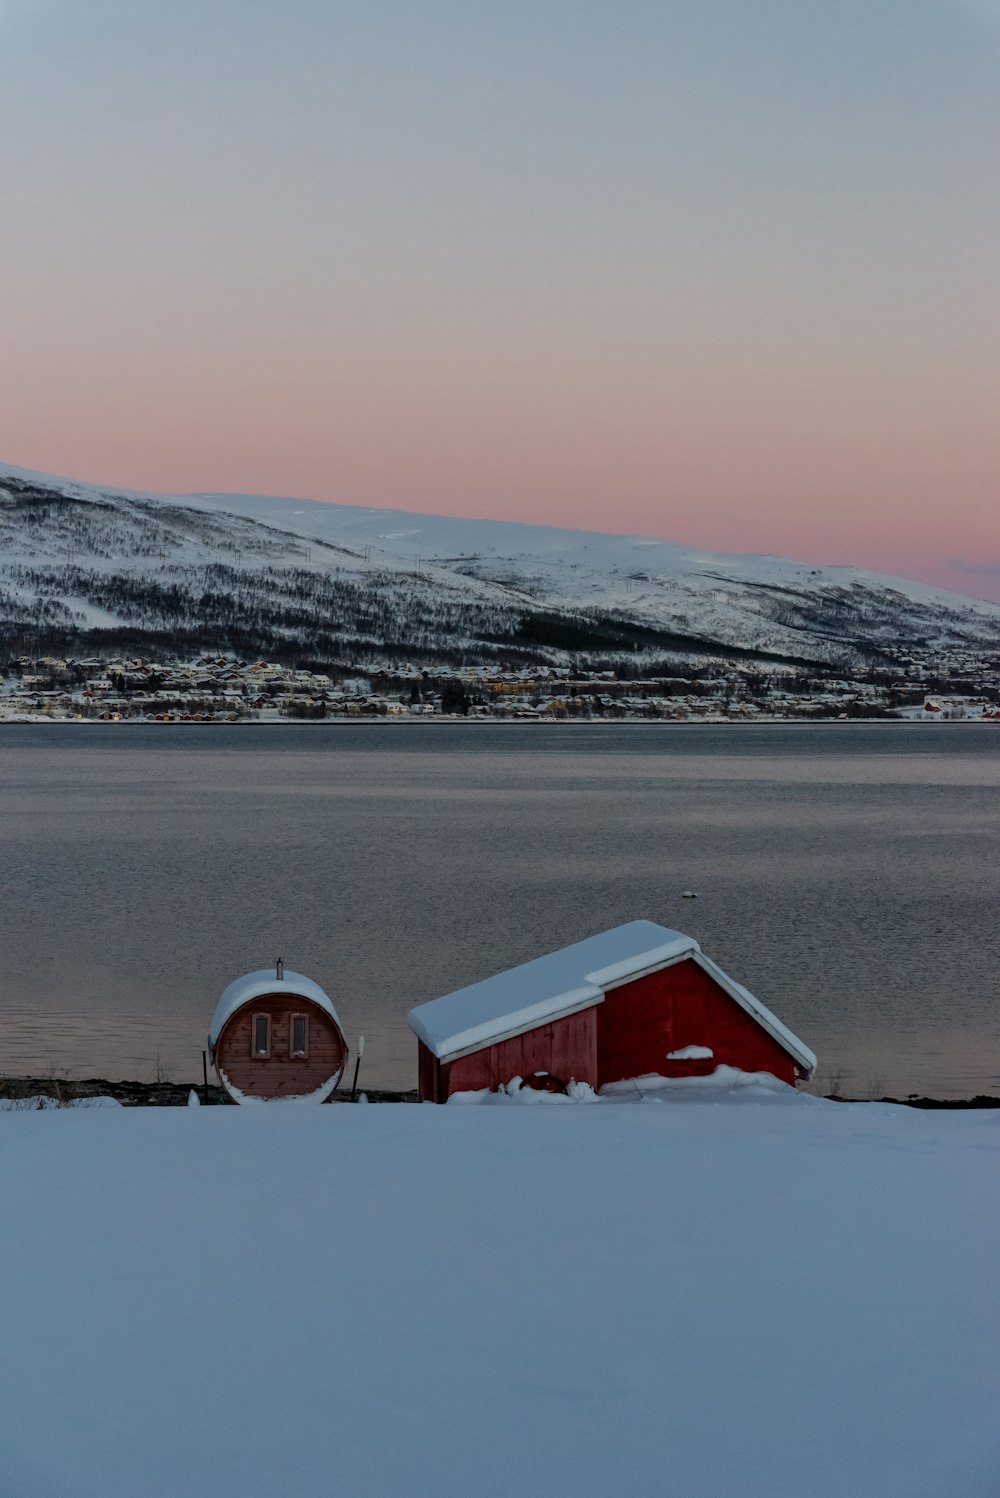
{"x": 23, "y": 1090}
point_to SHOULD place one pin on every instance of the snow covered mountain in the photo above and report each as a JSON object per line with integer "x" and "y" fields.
{"x": 86, "y": 568}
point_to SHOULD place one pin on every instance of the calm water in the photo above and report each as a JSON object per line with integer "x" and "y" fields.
{"x": 848, "y": 875}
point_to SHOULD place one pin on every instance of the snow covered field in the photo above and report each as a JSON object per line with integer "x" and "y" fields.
{"x": 761, "y": 1296}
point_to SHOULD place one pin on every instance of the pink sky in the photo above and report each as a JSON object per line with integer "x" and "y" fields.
{"x": 734, "y": 287}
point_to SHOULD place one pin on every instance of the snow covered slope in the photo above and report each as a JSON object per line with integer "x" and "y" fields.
{"x": 767, "y": 1296}
{"x": 75, "y": 556}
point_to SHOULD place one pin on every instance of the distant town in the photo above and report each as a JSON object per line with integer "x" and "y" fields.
{"x": 225, "y": 689}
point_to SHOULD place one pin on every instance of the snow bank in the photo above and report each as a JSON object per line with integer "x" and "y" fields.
{"x": 318, "y": 1095}
{"x": 723, "y": 1082}
{"x": 718, "y": 1301}
{"x": 516, "y": 1092}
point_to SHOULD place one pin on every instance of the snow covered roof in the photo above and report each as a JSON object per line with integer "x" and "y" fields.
{"x": 548, "y": 988}
{"x": 255, "y": 985}
{"x": 574, "y": 978}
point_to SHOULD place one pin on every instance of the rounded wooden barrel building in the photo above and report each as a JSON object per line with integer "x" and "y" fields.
{"x": 276, "y": 1037}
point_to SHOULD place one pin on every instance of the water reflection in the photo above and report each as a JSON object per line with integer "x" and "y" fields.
{"x": 847, "y": 874}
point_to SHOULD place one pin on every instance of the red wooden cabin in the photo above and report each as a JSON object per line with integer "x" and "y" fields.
{"x": 276, "y": 1036}
{"x": 634, "y": 1001}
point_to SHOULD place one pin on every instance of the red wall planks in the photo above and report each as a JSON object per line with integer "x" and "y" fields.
{"x": 641, "y": 1022}
{"x": 566, "y": 1048}
{"x": 429, "y": 1078}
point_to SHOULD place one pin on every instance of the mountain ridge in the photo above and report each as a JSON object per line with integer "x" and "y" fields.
{"x": 83, "y": 562}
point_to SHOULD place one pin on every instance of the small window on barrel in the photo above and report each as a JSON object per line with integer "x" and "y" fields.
{"x": 300, "y": 1035}
{"x": 261, "y": 1036}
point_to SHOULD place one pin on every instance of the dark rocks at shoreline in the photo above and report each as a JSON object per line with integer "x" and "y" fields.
{"x": 981, "y": 1100}
{"x": 153, "y": 1094}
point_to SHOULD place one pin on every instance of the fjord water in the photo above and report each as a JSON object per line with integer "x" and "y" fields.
{"x": 847, "y": 874}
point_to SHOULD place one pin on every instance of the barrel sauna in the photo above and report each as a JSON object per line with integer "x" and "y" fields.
{"x": 276, "y": 1037}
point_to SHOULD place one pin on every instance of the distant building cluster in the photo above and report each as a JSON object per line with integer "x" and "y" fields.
{"x": 223, "y": 688}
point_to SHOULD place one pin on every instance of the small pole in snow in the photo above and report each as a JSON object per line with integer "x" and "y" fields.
{"x": 279, "y": 969}
{"x": 357, "y": 1068}
{"x": 204, "y": 1072}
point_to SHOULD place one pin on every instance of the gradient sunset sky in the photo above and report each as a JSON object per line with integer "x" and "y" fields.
{"x": 724, "y": 271}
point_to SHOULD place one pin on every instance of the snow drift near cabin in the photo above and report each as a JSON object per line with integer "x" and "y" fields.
{"x": 768, "y": 1296}
{"x": 638, "y": 999}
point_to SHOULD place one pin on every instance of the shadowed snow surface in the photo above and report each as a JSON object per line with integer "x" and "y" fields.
{"x": 761, "y": 1298}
